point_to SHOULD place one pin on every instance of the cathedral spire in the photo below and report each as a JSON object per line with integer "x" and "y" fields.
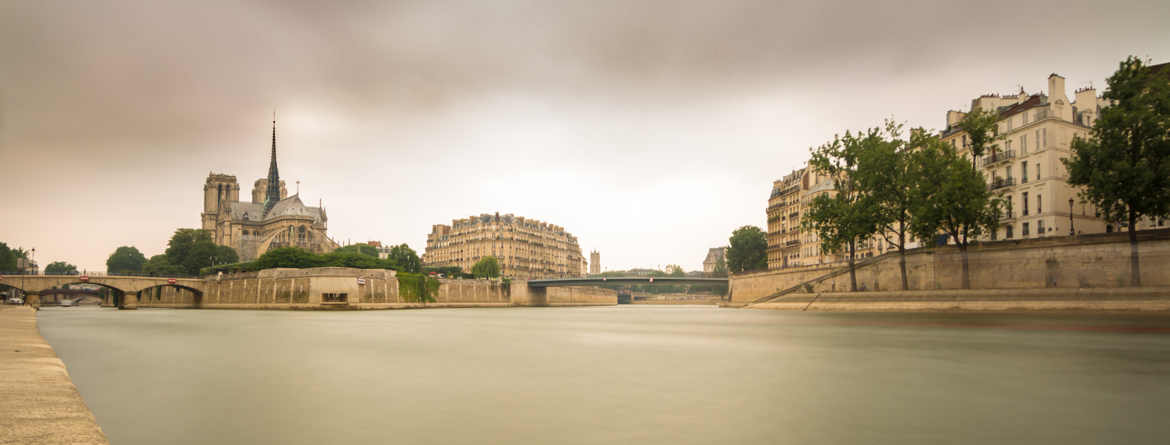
{"x": 273, "y": 193}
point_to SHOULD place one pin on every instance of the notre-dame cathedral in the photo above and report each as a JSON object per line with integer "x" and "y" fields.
{"x": 273, "y": 219}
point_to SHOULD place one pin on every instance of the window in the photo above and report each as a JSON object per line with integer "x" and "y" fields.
{"x": 1039, "y": 203}
{"x": 1040, "y": 228}
{"x": 964, "y": 141}
{"x": 1024, "y": 200}
{"x": 1023, "y": 144}
{"x": 1044, "y": 136}
{"x": 1024, "y": 231}
{"x": 1007, "y": 173}
{"x": 1007, "y": 145}
{"x": 330, "y": 297}
{"x": 1023, "y": 172}
{"x": 1037, "y": 172}
{"x": 1007, "y": 231}
{"x": 1037, "y": 140}
{"x": 1009, "y": 207}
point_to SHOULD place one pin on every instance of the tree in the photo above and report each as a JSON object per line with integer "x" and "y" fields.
{"x": 364, "y": 249}
{"x": 125, "y": 260}
{"x": 486, "y": 267}
{"x": 7, "y": 259}
{"x": 721, "y": 267}
{"x": 193, "y": 249}
{"x": 405, "y": 258}
{"x": 885, "y": 172}
{"x": 950, "y": 197}
{"x": 1124, "y": 165}
{"x": 981, "y": 127}
{"x": 747, "y": 250}
{"x": 845, "y": 217}
{"x": 60, "y": 268}
{"x": 160, "y": 265}
{"x": 675, "y": 270}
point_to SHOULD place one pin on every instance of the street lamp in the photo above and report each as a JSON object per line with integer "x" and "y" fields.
{"x": 1071, "y": 232}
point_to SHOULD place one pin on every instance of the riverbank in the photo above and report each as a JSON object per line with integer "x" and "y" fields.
{"x": 38, "y": 402}
{"x": 1143, "y": 299}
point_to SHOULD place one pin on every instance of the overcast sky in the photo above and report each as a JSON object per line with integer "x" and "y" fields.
{"x": 648, "y": 129}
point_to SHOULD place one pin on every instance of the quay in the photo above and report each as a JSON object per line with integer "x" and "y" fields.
{"x": 38, "y": 402}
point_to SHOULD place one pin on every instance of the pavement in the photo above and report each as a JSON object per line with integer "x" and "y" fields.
{"x": 38, "y": 402}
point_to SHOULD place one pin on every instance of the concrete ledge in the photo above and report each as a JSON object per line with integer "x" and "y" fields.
{"x": 38, "y": 402}
{"x": 1094, "y": 299}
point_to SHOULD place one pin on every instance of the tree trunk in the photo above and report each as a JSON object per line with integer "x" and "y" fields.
{"x": 966, "y": 269}
{"x": 902, "y": 254}
{"x": 1135, "y": 273}
{"x": 852, "y": 271}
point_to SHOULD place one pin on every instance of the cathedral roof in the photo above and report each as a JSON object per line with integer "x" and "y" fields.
{"x": 290, "y": 206}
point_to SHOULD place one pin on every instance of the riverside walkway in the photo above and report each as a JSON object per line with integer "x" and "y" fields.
{"x": 38, "y": 402}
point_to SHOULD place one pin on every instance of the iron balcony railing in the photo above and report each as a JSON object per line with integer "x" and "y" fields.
{"x": 999, "y": 183}
{"x": 998, "y": 157}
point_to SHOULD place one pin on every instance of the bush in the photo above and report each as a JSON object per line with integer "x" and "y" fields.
{"x": 296, "y": 258}
{"x": 409, "y": 285}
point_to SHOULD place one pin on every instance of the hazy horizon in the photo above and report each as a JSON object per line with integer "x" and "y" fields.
{"x": 649, "y": 130}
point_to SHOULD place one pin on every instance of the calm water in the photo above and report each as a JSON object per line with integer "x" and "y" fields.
{"x": 647, "y": 375}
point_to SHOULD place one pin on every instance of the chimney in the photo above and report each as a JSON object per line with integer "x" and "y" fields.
{"x": 1056, "y": 88}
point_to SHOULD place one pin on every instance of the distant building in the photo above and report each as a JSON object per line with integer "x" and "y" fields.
{"x": 715, "y": 257}
{"x": 273, "y": 219}
{"x": 525, "y": 248}
{"x": 594, "y": 262}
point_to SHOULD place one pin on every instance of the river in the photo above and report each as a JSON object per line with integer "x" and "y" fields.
{"x": 605, "y": 375}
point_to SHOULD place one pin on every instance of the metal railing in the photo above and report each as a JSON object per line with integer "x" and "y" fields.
{"x": 998, "y": 157}
{"x": 999, "y": 183}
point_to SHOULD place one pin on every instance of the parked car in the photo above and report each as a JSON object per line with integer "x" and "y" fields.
{"x": 15, "y": 300}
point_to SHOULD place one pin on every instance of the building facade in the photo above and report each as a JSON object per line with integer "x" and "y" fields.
{"x": 594, "y": 262}
{"x": 716, "y": 256}
{"x": 1024, "y": 165}
{"x": 525, "y": 248}
{"x": 273, "y": 219}
{"x": 789, "y": 244}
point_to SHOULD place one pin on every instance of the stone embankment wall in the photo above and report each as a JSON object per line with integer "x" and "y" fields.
{"x": 363, "y": 289}
{"x": 38, "y": 402}
{"x": 1095, "y": 261}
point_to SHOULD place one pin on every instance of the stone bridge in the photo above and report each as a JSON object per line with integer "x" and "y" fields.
{"x": 127, "y": 287}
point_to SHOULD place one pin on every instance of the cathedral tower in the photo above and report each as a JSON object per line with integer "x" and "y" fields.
{"x": 218, "y": 190}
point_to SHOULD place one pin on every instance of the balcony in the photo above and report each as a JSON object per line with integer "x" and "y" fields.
{"x": 999, "y": 183}
{"x": 791, "y": 243}
{"x": 998, "y": 157}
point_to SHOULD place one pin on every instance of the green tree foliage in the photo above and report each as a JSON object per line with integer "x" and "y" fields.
{"x": 486, "y": 267}
{"x": 981, "y": 129}
{"x": 951, "y": 197}
{"x": 125, "y": 260}
{"x": 364, "y": 249}
{"x": 447, "y": 271}
{"x": 7, "y": 259}
{"x": 193, "y": 249}
{"x": 675, "y": 270}
{"x": 747, "y": 250}
{"x": 1124, "y": 165}
{"x": 884, "y": 173}
{"x": 406, "y": 259}
{"x": 160, "y": 265}
{"x": 60, "y": 268}
{"x": 843, "y": 218}
{"x": 297, "y": 258}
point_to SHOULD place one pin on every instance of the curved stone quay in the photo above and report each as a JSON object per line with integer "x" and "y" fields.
{"x": 38, "y": 402}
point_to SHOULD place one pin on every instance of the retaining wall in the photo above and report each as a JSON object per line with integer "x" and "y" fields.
{"x": 1095, "y": 261}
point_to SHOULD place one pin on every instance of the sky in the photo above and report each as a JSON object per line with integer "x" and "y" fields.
{"x": 648, "y": 129}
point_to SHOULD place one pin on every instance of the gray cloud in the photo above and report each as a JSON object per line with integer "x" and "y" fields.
{"x": 633, "y": 124}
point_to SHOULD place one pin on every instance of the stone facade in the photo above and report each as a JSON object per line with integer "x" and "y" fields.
{"x": 1089, "y": 261}
{"x": 1035, "y": 133}
{"x": 525, "y": 248}
{"x": 594, "y": 262}
{"x": 789, "y": 245}
{"x": 273, "y": 219}
{"x": 715, "y": 257}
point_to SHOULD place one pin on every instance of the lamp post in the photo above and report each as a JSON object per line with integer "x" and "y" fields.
{"x": 1071, "y": 232}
